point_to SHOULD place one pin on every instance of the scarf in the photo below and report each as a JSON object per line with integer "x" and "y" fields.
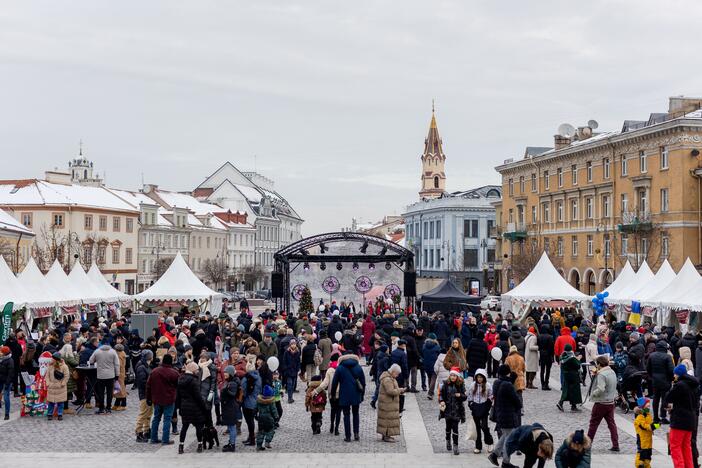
{"x": 205, "y": 369}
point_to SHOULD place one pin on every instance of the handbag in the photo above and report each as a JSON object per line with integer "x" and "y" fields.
{"x": 471, "y": 430}
{"x": 58, "y": 375}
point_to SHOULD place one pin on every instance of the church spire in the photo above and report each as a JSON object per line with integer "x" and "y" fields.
{"x": 433, "y": 158}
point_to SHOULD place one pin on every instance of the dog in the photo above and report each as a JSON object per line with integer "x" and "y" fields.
{"x": 210, "y": 437}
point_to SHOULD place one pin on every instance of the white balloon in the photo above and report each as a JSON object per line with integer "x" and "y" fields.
{"x": 338, "y": 335}
{"x": 273, "y": 363}
{"x": 496, "y": 353}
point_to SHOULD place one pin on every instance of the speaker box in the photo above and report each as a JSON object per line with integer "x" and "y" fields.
{"x": 277, "y": 284}
{"x": 410, "y": 284}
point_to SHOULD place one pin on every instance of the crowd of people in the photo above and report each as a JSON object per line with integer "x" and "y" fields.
{"x": 203, "y": 371}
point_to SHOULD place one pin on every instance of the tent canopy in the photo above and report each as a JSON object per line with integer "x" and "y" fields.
{"x": 651, "y": 288}
{"x": 41, "y": 292}
{"x": 446, "y": 297}
{"x": 108, "y": 293}
{"x": 90, "y": 293}
{"x": 544, "y": 283}
{"x": 625, "y": 294}
{"x": 11, "y": 290}
{"x": 58, "y": 279}
{"x": 178, "y": 283}
{"x": 625, "y": 278}
{"x": 678, "y": 291}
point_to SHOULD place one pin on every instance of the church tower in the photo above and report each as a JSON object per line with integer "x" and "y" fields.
{"x": 433, "y": 159}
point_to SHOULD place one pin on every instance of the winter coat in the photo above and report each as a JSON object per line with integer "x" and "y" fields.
{"x": 7, "y": 366}
{"x": 231, "y": 409}
{"x": 388, "y": 423}
{"x": 349, "y": 380}
{"x": 268, "y": 350}
{"x": 71, "y": 361}
{"x": 381, "y": 362}
{"x": 122, "y": 377}
{"x": 561, "y": 341}
{"x": 325, "y": 347}
{"x": 161, "y": 385}
{"x": 508, "y": 406}
{"x": 516, "y": 339}
{"x": 660, "y": 367}
{"x": 368, "y": 330}
{"x": 604, "y": 388}
{"x": 399, "y": 357}
{"x": 267, "y": 413}
{"x": 455, "y": 358}
{"x": 251, "y": 383}
{"x": 291, "y": 363}
{"x": 192, "y": 407}
{"x": 106, "y": 361}
{"x": 491, "y": 340}
{"x": 141, "y": 375}
{"x": 57, "y": 389}
{"x": 570, "y": 374}
{"x": 327, "y": 381}
{"x": 686, "y": 358}
{"x": 565, "y": 457}
{"x": 698, "y": 363}
{"x": 308, "y": 354}
{"x": 526, "y": 439}
{"x": 545, "y": 343}
{"x": 455, "y": 409}
{"x": 430, "y": 352}
{"x": 684, "y": 398}
{"x": 531, "y": 353}
{"x": 309, "y": 398}
{"x": 477, "y": 354}
{"x": 441, "y": 372}
{"x": 201, "y": 342}
{"x": 209, "y": 385}
{"x": 516, "y": 364}
{"x": 413, "y": 356}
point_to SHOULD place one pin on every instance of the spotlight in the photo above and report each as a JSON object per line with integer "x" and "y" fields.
{"x": 323, "y": 248}
{"x": 371, "y": 266}
{"x": 338, "y": 266}
{"x": 355, "y": 266}
{"x": 364, "y": 247}
{"x": 383, "y": 251}
{"x": 306, "y": 266}
{"x": 322, "y": 266}
{"x": 387, "y": 265}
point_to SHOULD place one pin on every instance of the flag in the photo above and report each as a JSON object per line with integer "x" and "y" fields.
{"x": 6, "y": 324}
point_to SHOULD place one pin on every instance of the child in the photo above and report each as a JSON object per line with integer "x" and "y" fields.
{"x": 277, "y": 395}
{"x": 231, "y": 393}
{"x": 644, "y": 427}
{"x": 315, "y": 403}
{"x": 267, "y": 414}
{"x": 479, "y": 402}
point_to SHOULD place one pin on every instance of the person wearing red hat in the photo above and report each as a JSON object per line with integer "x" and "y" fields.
{"x": 7, "y": 369}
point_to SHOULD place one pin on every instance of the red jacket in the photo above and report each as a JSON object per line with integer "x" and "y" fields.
{"x": 491, "y": 339}
{"x": 162, "y": 385}
{"x": 368, "y": 329}
{"x": 563, "y": 340}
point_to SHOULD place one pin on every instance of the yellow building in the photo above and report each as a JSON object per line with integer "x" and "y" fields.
{"x": 596, "y": 200}
{"x": 15, "y": 241}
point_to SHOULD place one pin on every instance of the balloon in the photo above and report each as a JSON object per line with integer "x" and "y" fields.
{"x": 496, "y": 353}
{"x": 599, "y": 295}
{"x": 338, "y": 335}
{"x": 273, "y": 363}
{"x": 605, "y": 294}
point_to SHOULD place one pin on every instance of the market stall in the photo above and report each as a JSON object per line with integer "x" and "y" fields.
{"x": 446, "y": 297}
{"x": 676, "y": 297}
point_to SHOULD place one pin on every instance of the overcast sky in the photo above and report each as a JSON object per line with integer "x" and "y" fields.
{"x": 330, "y": 99}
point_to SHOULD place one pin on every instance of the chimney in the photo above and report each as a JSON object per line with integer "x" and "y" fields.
{"x": 584, "y": 133}
{"x": 680, "y": 105}
{"x": 560, "y": 142}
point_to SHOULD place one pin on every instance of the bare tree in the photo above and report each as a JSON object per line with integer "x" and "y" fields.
{"x": 525, "y": 254}
{"x": 252, "y": 275}
{"x": 161, "y": 265}
{"x": 54, "y": 244}
{"x": 215, "y": 271}
{"x": 642, "y": 243}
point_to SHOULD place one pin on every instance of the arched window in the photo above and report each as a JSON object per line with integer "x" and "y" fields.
{"x": 436, "y": 181}
{"x": 85, "y": 174}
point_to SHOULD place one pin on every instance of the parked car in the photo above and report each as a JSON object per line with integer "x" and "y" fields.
{"x": 491, "y": 303}
{"x": 263, "y": 294}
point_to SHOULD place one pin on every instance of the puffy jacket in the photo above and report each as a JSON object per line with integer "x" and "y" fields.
{"x": 430, "y": 352}
{"x": 291, "y": 363}
{"x": 604, "y": 389}
{"x": 231, "y": 410}
{"x": 516, "y": 339}
{"x": 526, "y": 439}
{"x": 508, "y": 406}
{"x": 161, "y": 385}
{"x": 545, "y": 342}
{"x": 563, "y": 340}
{"x": 349, "y": 380}
{"x": 7, "y": 366}
{"x": 399, "y": 357}
{"x": 251, "y": 383}
{"x": 192, "y": 407}
{"x": 660, "y": 367}
{"x": 141, "y": 376}
{"x": 381, "y": 361}
{"x": 684, "y": 398}
{"x": 477, "y": 353}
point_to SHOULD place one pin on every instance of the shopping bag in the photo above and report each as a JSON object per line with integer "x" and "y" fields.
{"x": 471, "y": 430}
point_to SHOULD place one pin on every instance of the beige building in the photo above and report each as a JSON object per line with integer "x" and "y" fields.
{"x": 596, "y": 200}
{"x": 16, "y": 242}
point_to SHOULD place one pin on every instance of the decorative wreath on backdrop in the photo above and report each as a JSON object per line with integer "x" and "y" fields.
{"x": 363, "y": 284}
{"x": 392, "y": 290}
{"x": 297, "y": 291}
{"x": 331, "y": 284}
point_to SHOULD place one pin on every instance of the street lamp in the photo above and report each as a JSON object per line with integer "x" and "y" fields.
{"x": 605, "y": 241}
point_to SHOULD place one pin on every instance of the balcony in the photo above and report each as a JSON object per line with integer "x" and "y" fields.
{"x": 495, "y": 232}
{"x": 635, "y": 221}
{"x": 515, "y": 231}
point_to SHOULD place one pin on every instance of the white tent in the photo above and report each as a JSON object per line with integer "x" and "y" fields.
{"x": 108, "y": 292}
{"x": 11, "y": 290}
{"x": 625, "y": 294}
{"x": 652, "y": 289}
{"x": 544, "y": 283}
{"x": 681, "y": 288}
{"x": 90, "y": 293}
{"x": 59, "y": 281}
{"x": 41, "y": 292}
{"x": 625, "y": 278}
{"x": 179, "y": 283}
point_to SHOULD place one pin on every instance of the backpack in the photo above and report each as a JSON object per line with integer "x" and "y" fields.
{"x": 319, "y": 399}
{"x": 318, "y": 358}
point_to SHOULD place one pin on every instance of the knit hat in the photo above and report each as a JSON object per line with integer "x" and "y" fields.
{"x": 230, "y": 371}
{"x": 503, "y": 370}
{"x": 532, "y": 330}
{"x": 455, "y": 371}
{"x": 680, "y": 369}
{"x": 267, "y": 391}
{"x": 578, "y": 437}
{"x": 432, "y": 336}
{"x": 568, "y": 347}
{"x": 643, "y": 402}
{"x": 5, "y": 350}
{"x": 634, "y": 336}
{"x": 56, "y": 356}
{"x": 147, "y": 354}
{"x": 513, "y": 349}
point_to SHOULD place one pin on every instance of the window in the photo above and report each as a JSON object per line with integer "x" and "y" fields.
{"x": 27, "y": 219}
{"x": 607, "y": 245}
{"x": 643, "y": 163}
{"x": 664, "y": 200}
{"x": 664, "y": 157}
{"x": 88, "y": 222}
{"x": 588, "y": 166}
{"x": 431, "y": 258}
{"x": 605, "y": 206}
{"x": 436, "y": 181}
{"x": 511, "y": 186}
{"x": 520, "y": 215}
{"x": 425, "y": 258}
{"x": 533, "y": 182}
{"x": 470, "y": 258}
{"x": 605, "y": 168}
{"x": 589, "y": 245}
{"x": 574, "y": 209}
{"x": 625, "y": 168}
{"x": 438, "y": 229}
{"x": 470, "y": 228}
{"x": 588, "y": 207}
{"x": 521, "y": 184}
{"x": 559, "y": 174}
{"x": 57, "y": 219}
{"x": 624, "y": 202}
{"x": 644, "y": 246}
{"x": 625, "y": 244}
{"x": 559, "y": 211}
{"x": 103, "y": 223}
{"x": 115, "y": 255}
{"x": 546, "y": 185}
{"x": 116, "y": 223}
{"x": 546, "y": 208}
{"x": 426, "y": 230}
{"x": 102, "y": 251}
{"x": 643, "y": 201}
{"x": 574, "y": 246}
{"x": 438, "y": 258}
{"x": 491, "y": 255}
{"x": 128, "y": 256}
{"x": 664, "y": 247}
{"x": 547, "y": 245}
{"x": 559, "y": 247}
{"x": 491, "y": 224}
{"x": 431, "y": 230}
{"x": 87, "y": 255}
{"x": 574, "y": 174}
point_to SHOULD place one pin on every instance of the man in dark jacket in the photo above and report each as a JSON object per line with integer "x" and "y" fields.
{"x": 636, "y": 350}
{"x": 161, "y": 389}
{"x": 381, "y": 363}
{"x": 508, "y": 410}
{"x": 201, "y": 342}
{"x": 413, "y": 358}
{"x": 683, "y": 403}
{"x": 660, "y": 370}
{"x": 141, "y": 376}
{"x": 533, "y": 441}
{"x": 419, "y": 339}
{"x": 430, "y": 353}
{"x": 442, "y": 331}
{"x": 545, "y": 343}
{"x": 477, "y": 353}
{"x": 12, "y": 342}
{"x": 350, "y": 381}
{"x": 399, "y": 357}
{"x": 7, "y": 372}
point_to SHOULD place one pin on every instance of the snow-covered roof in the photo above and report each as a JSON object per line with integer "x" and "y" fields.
{"x": 11, "y": 289}
{"x": 178, "y": 283}
{"x": 624, "y": 294}
{"x": 8, "y": 223}
{"x": 109, "y": 292}
{"x": 40, "y": 192}
{"x": 625, "y": 278}
{"x": 184, "y": 200}
{"x": 680, "y": 291}
{"x": 545, "y": 283}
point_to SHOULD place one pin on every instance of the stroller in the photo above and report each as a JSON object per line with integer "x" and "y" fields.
{"x": 629, "y": 388}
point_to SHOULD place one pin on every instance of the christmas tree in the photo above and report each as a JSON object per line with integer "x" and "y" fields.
{"x": 306, "y": 301}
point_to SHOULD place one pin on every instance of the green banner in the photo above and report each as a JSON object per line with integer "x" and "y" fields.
{"x": 6, "y": 324}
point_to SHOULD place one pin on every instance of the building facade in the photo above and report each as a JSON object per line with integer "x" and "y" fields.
{"x": 596, "y": 200}
{"x": 16, "y": 242}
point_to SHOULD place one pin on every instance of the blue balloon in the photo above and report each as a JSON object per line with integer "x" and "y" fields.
{"x": 599, "y": 296}
{"x": 605, "y": 294}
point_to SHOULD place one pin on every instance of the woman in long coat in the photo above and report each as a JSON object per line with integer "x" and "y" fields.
{"x": 570, "y": 375}
{"x": 531, "y": 357}
{"x": 121, "y": 396}
{"x": 57, "y": 388}
{"x": 191, "y": 404}
{"x": 388, "y": 424}
{"x": 455, "y": 356}
{"x": 71, "y": 359}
